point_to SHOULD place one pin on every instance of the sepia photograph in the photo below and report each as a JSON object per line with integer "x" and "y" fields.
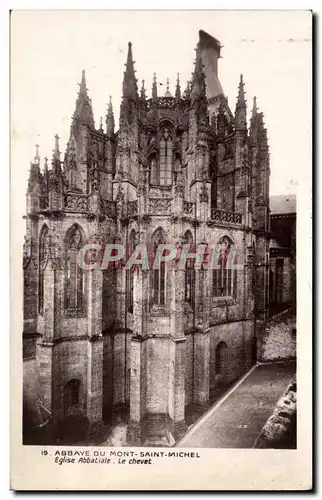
{"x": 156, "y": 167}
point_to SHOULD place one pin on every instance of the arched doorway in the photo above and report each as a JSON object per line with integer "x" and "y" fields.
{"x": 73, "y": 429}
{"x": 221, "y": 359}
{"x": 72, "y": 397}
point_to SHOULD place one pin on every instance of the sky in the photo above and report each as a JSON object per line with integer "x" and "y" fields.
{"x": 49, "y": 49}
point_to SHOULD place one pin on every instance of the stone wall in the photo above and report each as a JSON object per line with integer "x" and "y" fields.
{"x": 279, "y": 340}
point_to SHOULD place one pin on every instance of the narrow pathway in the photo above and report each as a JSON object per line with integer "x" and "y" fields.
{"x": 235, "y": 421}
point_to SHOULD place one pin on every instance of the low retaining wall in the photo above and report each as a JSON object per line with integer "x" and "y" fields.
{"x": 279, "y": 432}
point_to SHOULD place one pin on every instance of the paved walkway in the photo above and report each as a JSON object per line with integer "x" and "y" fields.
{"x": 236, "y": 420}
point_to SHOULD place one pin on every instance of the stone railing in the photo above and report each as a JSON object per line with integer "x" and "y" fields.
{"x": 108, "y": 207}
{"x": 226, "y": 216}
{"x": 160, "y": 206}
{"x": 75, "y": 202}
{"x": 166, "y": 102}
{"x": 188, "y": 207}
{"x": 132, "y": 208}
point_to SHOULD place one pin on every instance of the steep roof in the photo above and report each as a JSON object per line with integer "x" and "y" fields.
{"x": 283, "y": 204}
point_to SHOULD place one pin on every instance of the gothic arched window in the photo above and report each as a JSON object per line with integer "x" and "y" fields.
{"x": 130, "y": 274}
{"x": 165, "y": 165}
{"x": 159, "y": 274}
{"x": 224, "y": 283}
{"x": 221, "y": 358}
{"x": 74, "y": 291}
{"x": 189, "y": 290}
{"x": 43, "y": 258}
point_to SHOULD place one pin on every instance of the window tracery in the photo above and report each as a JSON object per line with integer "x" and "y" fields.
{"x": 74, "y": 284}
{"x": 225, "y": 272}
{"x": 43, "y": 259}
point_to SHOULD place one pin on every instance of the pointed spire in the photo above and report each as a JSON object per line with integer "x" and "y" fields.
{"x": 110, "y": 119}
{"x": 82, "y": 85}
{"x": 34, "y": 172}
{"x": 186, "y": 92}
{"x": 56, "y": 163}
{"x": 142, "y": 92}
{"x": 56, "y": 150}
{"x": 167, "y": 92}
{"x": 83, "y": 114}
{"x": 254, "y": 122}
{"x": 154, "y": 88}
{"x": 262, "y": 129}
{"x": 241, "y": 92}
{"x": 46, "y": 175}
{"x": 130, "y": 89}
{"x": 178, "y": 90}
{"x": 254, "y": 110}
{"x": 37, "y": 157}
{"x": 240, "y": 114}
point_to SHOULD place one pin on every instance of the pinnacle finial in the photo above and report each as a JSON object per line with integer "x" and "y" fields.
{"x": 178, "y": 90}
{"x": 83, "y": 110}
{"x": 46, "y": 164}
{"x": 56, "y": 157}
{"x": 37, "y": 157}
{"x": 130, "y": 89}
{"x": 142, "y": 94}
{"x": 254, "y": 111}
{"x": 110, "y": 118}
{"x": 57, "y": 144}
{"x": 101, "y": 123}
{"x": 82, "y": 85}
{"x": 56, "y": 152}
{"x": 167, "y": 92}
{"x": 154, "y": 87}
{"x": 129, "y": 61}
{"x": 240, "y": 114}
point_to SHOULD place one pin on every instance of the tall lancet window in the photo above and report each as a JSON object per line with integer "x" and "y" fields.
{"x": 165, "y": 169}
{"x": 74, "y": 284}
{"x": 130, "y": 274}
{"x": 159, "y": 274}
{"x": 190, "y": 273}
{"x": 43, "y": 258}
{"x": 224, "y": 282}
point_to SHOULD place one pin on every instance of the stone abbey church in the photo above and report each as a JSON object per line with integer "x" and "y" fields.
{"x": 146, "y": 344}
